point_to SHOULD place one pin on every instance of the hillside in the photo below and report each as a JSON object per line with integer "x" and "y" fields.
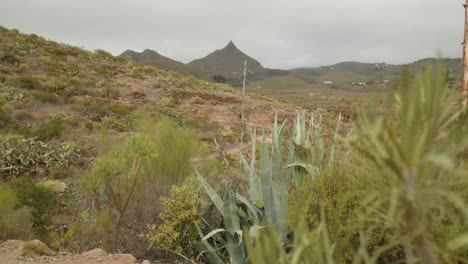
{"x": 152, "y": 58}
{"x": 328, "y": 86}
{"x": 62, "y": 108}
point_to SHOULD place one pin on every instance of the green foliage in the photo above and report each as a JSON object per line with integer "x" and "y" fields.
{"x": 25, "y": 82}
{"x": 46, "y": 97}
{"x": 38, "y": 199}
{"x": 127, "y": 179}
{"x": 311, "y": 246}
{"x": 114, "y": 123}
{"x": 180, "y": 212}
{"x": 118, "y": 173}
{"x": 267, "y": 203}
{"x": 414, "y": 155}
{"x": 53, "y": 128}
{"x": 14, "y": 222}
{"x": 179, "y": 146}
{"x": 110, "y": 93}
{"x": 104, "y": 54}
{"x": 9, "y": 125}
{"x": 403, "y": 199}
{"x": 120, "y": 109}
{"x": 9, "y": 58}
{"x": 32, "y": 157}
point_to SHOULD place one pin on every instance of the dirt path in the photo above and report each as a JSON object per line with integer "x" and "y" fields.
{"x": 35, "y": 252}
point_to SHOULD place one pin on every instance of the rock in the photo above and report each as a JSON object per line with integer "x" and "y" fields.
{"x": 124, "y": 258}
{"x": 146, "y": 262}
{"x": 38, "y": 248}
{"x": 13, "y": 245}
{"x": 95, "y": 253}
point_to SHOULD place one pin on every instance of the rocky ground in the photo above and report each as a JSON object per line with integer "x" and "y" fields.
{"x": 36, "y": 252}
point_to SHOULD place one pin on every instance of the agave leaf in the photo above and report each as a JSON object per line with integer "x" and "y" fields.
{"x": 230, "y": 214}
{"x": 252, "y": 210}
{"x": 211, "y": 252}
{"x": 265, "y": 179}
{"x": 308, "y": 167}
{"x": 217, "y": 201}
{"x": 213, "y": 233}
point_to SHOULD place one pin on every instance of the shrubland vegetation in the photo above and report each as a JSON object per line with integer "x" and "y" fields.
{"x": 100, "y": 151}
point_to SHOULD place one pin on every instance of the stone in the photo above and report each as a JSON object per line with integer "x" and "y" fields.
{"x": 36, "y": 247}
{"x": 95, "y": 253}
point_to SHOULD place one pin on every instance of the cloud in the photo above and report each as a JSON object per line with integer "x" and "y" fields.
{"x": 279, "y": 33}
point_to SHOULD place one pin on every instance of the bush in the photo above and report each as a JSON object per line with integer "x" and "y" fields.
{"x": 181, "y": 210}
{"x": 140, "y": 170}
{"x": 114, "y": 123}
{"x": 15, "y": 221}
{"x": 104, "y": 54}
{"x": 110, "y": 93}
{"x": 10, "y": 125}
{"x": 25, "y": 82}
{"x": 120, "y": 109}
{"x": 9, "y": 58}
{"x": 39, "y": 199}
{"x": 46, "y": 97}
{"x": 52, "y": 129}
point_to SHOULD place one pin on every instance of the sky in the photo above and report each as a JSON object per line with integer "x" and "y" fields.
{"x": 278, "y": 33}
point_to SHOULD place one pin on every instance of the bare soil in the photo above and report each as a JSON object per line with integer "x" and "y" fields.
{"x": 36, "y": 252}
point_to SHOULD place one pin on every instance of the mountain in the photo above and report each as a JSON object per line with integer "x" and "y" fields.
{"x": 152, "y": 58}
{"x": 224, "y": 65}
{"x": 228, "y": 62}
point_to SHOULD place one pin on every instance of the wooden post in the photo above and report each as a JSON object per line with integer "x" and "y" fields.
{"x": 464, "y": 84}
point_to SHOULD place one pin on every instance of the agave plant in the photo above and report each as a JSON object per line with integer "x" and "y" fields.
{"x": 267, "y": 204}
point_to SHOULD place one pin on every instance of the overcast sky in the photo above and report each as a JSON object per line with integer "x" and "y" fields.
{"x": 279, "y": 33}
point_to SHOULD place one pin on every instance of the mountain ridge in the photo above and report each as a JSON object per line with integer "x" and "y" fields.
{"x": 226, "y": 65}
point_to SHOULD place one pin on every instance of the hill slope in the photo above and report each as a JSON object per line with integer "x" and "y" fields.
{"x": 152, "y": 58}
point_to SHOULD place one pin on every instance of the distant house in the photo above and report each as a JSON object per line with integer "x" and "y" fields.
{"x": 327, "y": 82}
{"x": 386, "y": 81}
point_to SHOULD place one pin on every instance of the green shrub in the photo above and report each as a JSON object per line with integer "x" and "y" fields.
{"x": 15, "y": 221}
{"x": 60, "y": 87}
{"x": 9, "y": 96}
{"x": 3, "y": 30}
{"x": 140, "y": 170}
{"x": 110, "y": 93}
{"x": 25, "y": 82}
{"x": 104, "y": 54}
{"x": 9, "y": 58}
{"x": 9, "y": 125}
{"x": 179, "y": 146}
{"x": 114, "y": 123}
{"x": 120, "y": 109}
{"x": 181, "y": 210}
{"x": 46, "y": 97}
{"x": 40, "y": 201}
{"x": 53, "y": 128}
